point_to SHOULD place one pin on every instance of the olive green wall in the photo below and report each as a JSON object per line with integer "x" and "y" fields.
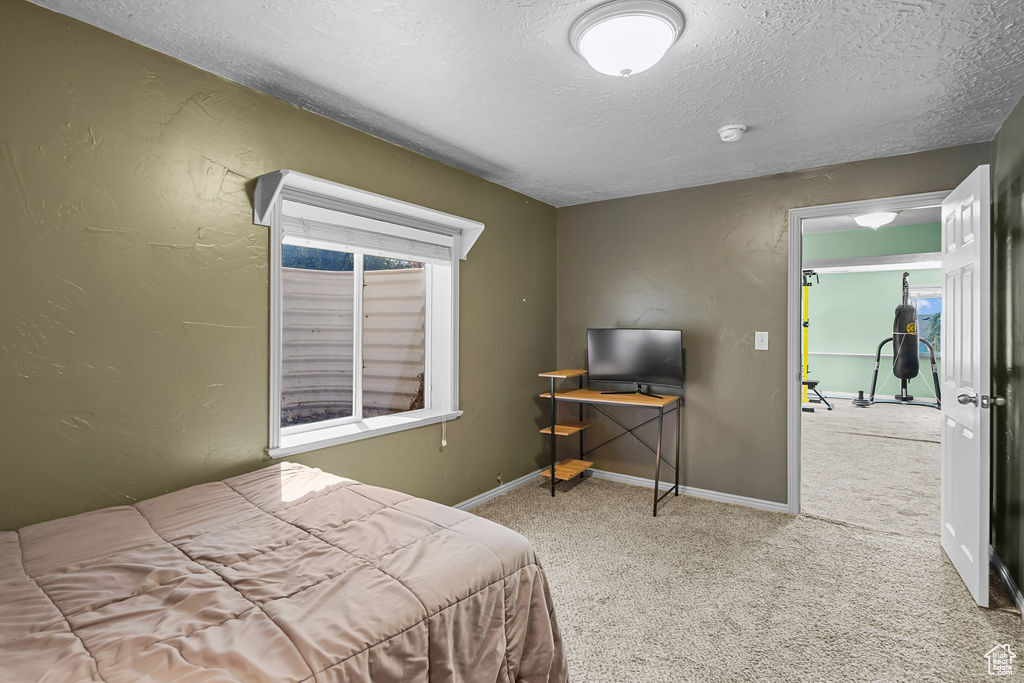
{"x": 712, "y": 261}
{"x": 1008, "y": 343}
{"x": 133, "y": 324}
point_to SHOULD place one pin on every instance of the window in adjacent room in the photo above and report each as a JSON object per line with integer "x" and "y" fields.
{"x": 928, "y": 302}
{"x": 364, "y": 311}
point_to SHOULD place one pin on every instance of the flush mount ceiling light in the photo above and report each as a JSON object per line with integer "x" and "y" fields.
{"x": 875, "y": 220}
{"x": 625, "y": 37}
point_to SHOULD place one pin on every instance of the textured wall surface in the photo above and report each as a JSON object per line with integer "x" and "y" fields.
{"x": 1008, "y": 343}
{"x": 712, "y": 261}
{"x": 133, "y": 324}
{"x": 494, "y": 87}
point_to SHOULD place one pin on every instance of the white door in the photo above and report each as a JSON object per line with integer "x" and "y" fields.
{"x": 965, "y": 380}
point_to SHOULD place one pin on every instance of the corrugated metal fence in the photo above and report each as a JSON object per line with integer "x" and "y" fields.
{"x": 317, "y": 343}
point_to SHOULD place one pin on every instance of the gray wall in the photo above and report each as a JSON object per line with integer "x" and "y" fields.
{"x": 712, "y": 261}
{"x": 1008, "y": 343}
{"x": 133, "y": 321}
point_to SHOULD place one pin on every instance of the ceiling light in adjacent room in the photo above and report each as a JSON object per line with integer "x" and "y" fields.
{"x": 875, "y": 220}
{"x": 625, "y": 37}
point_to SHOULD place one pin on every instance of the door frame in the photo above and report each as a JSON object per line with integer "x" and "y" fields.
{"x": 793, "y": 317}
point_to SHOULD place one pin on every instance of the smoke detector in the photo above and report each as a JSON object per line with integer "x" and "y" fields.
{"x": 732, "y": 133}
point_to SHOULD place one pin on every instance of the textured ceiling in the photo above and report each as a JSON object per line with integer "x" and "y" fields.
{"x": 493, "y": 87}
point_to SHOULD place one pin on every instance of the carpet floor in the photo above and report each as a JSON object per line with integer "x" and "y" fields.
{"x": 709, "y": 591}
{"x": 877, "y": 467}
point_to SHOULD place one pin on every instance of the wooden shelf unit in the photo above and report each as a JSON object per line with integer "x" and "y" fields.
{"x": 569, "y": 468}
{"x": 563, "y": 374}
{"x": 566, "y": 428}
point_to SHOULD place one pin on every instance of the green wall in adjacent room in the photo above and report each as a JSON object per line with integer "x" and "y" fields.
{"x": 852, "y": 313}
{"x": 887, "y": 240}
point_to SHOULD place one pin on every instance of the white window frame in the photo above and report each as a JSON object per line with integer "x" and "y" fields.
{"x": 925, "y": 292}
{"x": 374, "y": 213}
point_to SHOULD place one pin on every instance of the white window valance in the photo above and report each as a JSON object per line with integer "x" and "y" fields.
{"x": 286, "y": 189}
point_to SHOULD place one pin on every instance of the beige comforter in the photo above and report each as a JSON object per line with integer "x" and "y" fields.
{"x": 284, "y": 574}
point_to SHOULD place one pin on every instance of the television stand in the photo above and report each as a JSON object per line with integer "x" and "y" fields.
{"x": 639, "y": 390}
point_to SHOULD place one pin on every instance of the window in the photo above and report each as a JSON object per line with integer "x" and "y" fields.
{"x": 927, "y": 299}
{"x": 364, "y": 312}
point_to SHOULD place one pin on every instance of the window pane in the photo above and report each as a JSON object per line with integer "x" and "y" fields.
{"x": 394, "y": 317}
{"x": 929, "y": 320}
{"x": 316, "y": 339}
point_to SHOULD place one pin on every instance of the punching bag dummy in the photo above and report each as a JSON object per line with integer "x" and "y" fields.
{"x": 905, "y": 361}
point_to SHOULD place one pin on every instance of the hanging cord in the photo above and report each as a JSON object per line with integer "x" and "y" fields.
{"x": 885, "y": 380}
{"x": 444, "y": 430}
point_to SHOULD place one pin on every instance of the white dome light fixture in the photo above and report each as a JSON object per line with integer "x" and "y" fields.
{"x": 625, "y": 37}
{"x": 875, "y": 220}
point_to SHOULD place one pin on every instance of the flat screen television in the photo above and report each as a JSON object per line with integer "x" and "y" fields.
{"x": 652, "y": 357}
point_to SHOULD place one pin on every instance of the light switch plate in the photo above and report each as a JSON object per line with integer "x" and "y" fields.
{"x": 760, "y": 341}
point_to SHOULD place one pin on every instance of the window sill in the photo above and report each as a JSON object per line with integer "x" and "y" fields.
{"x": 353, "y": 431}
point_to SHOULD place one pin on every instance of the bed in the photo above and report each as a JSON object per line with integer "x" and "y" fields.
{"x": 283, "y": 574}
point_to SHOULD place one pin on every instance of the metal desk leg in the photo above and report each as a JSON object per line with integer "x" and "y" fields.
{"x": 679, "y": 437}
{"x": 657, "y": 466}
{"x": 581, "y": 420}
{"x": 554, "y": 438}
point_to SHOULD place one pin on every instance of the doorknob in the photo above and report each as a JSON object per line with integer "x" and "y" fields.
{"x": 987, "y": 401}
{"x": 964, "y": 399}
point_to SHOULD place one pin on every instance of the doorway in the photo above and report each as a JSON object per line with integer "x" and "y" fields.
{"x": 965, "y": 381}
{"x": 871, "y": 439}
{"x": 876, "y": 464}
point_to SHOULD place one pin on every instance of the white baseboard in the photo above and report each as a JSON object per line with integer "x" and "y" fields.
{"x": 1004, "y": 576}
{"x": 758, "y": 503}
{"x": 635, "y": 481}
{"x": 496, "y": 491}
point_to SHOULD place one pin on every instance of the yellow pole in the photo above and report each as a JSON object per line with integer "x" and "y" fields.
{"x": 806, "y": 325}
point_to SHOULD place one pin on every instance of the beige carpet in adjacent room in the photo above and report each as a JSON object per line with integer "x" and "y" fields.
{"x": 709, "y": 591}
{"x": 876, "y": 467}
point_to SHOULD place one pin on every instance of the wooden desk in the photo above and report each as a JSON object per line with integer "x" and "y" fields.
{"x": 592, "y": 396}
{"x": 596, "y": 399}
